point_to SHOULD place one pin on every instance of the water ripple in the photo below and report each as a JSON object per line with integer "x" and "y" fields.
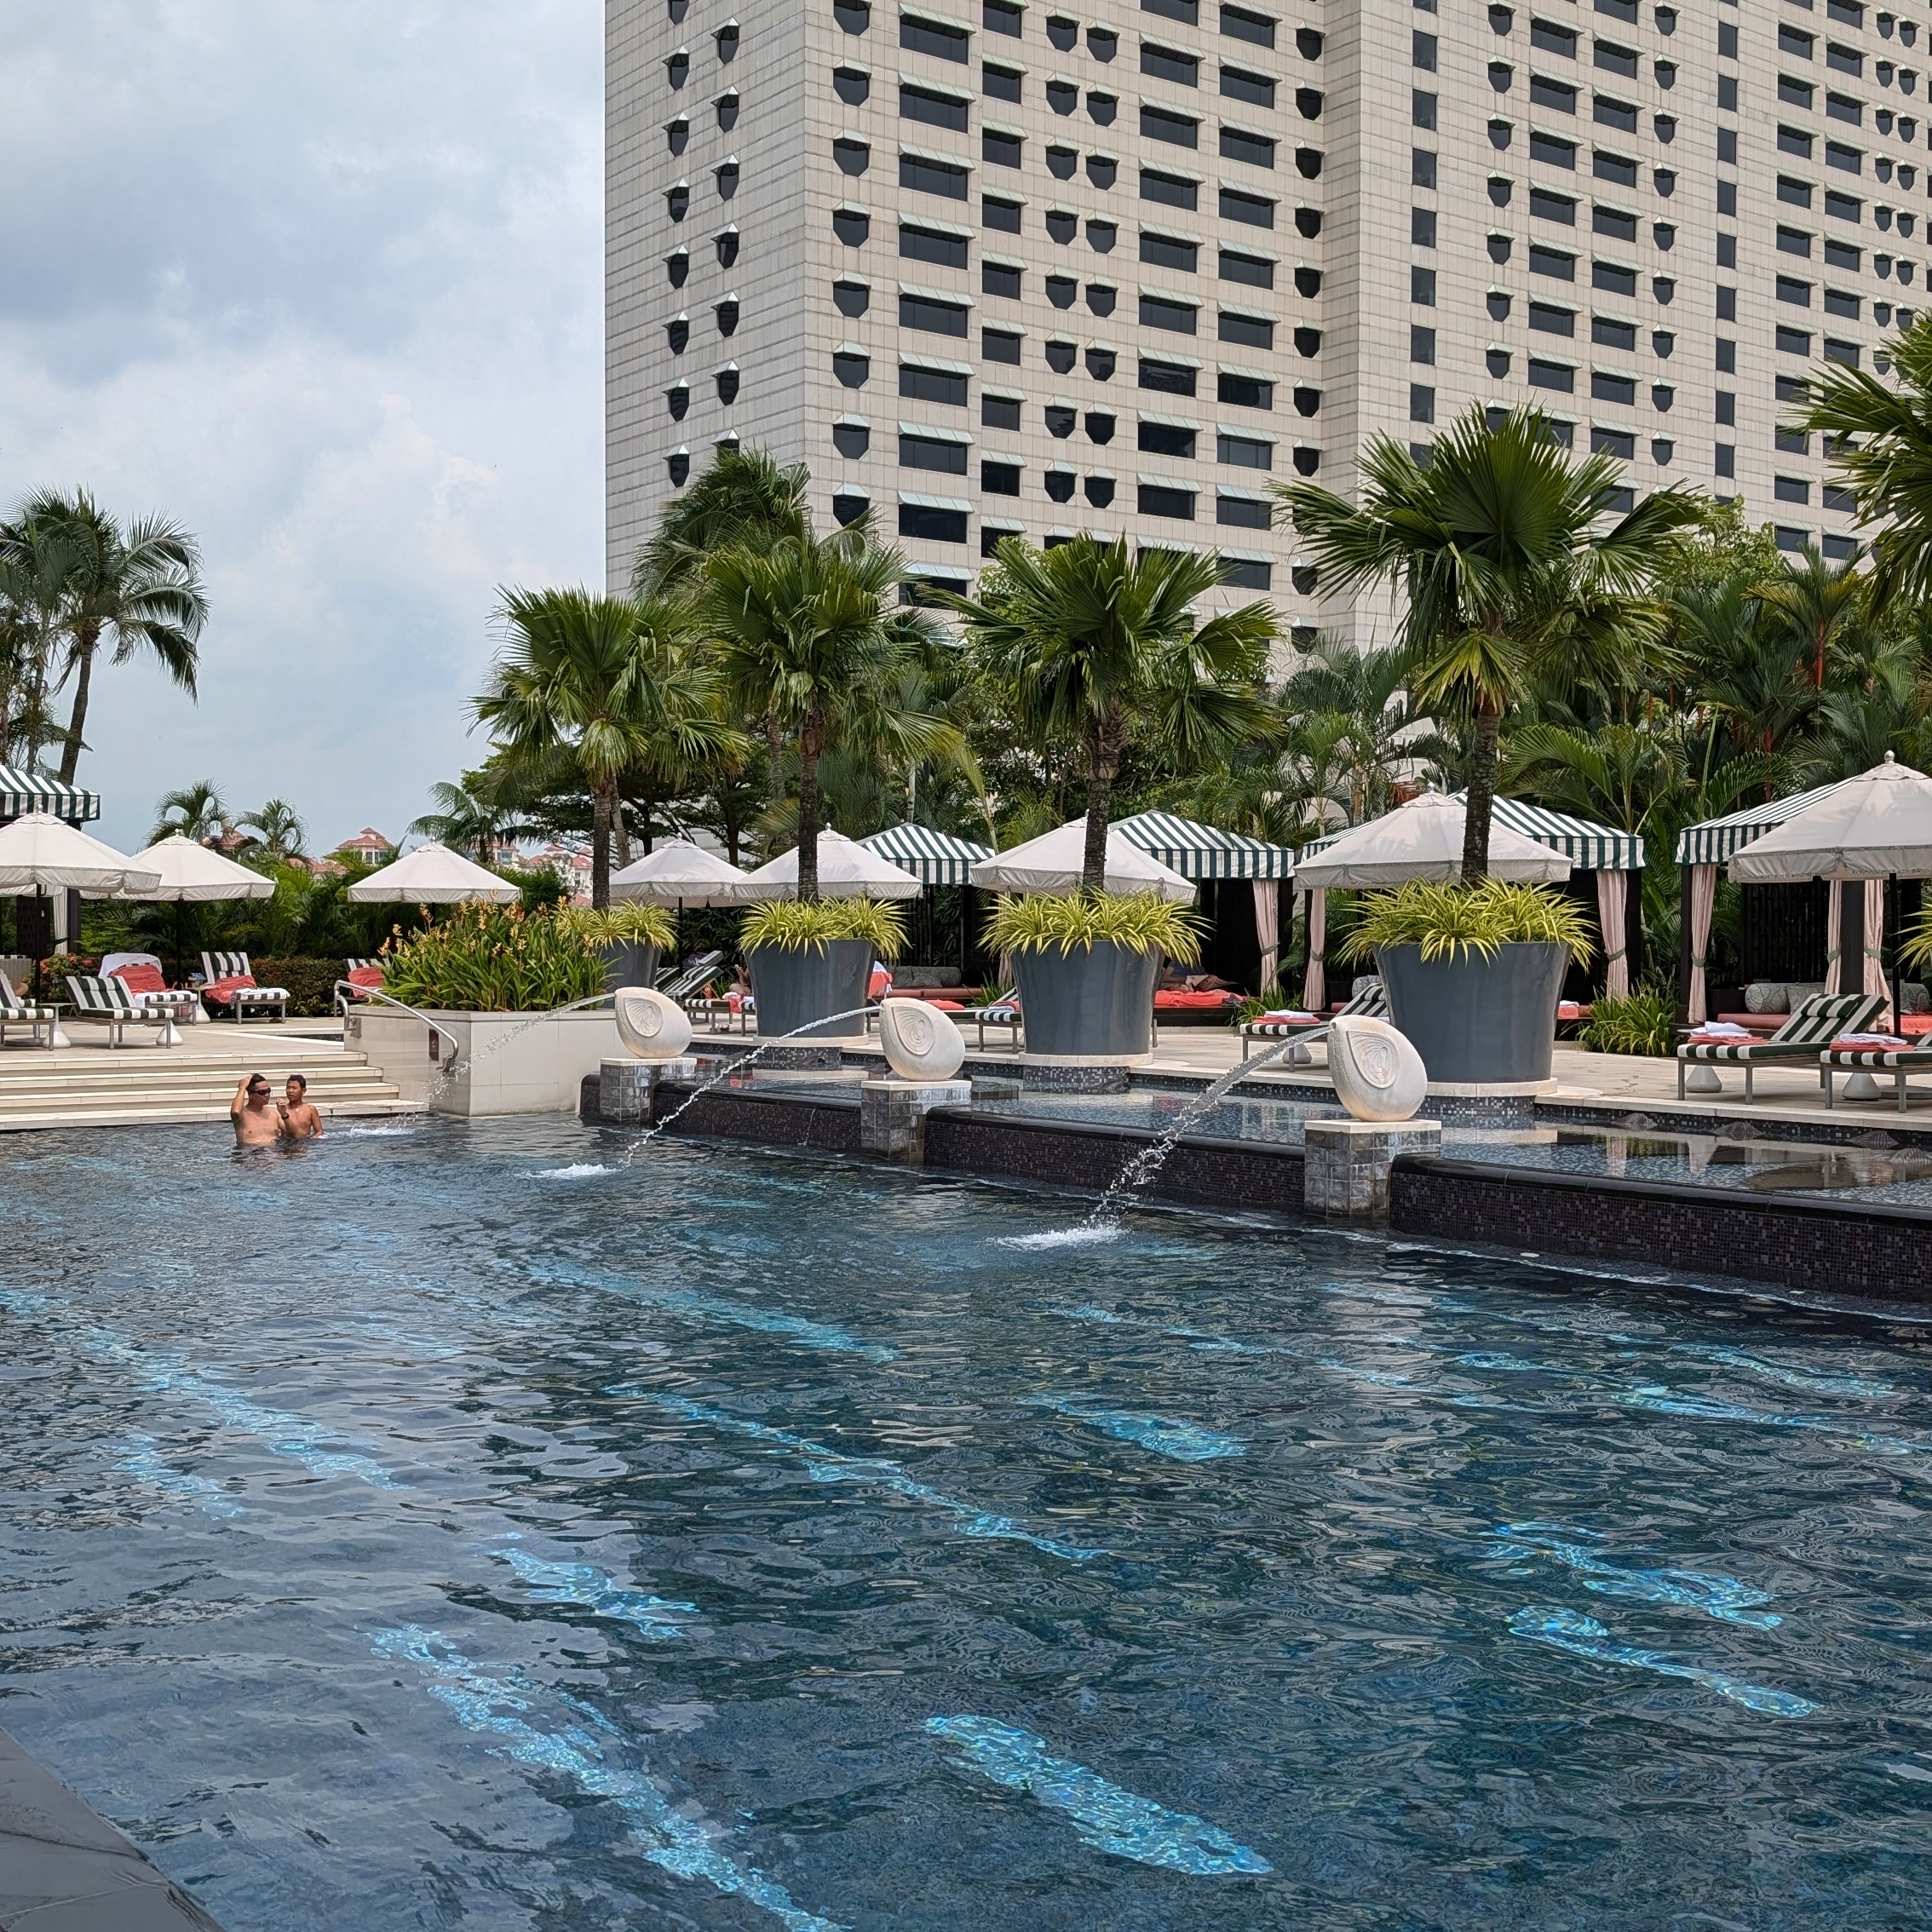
{"x": 1723, "y": 1597}
{"x": 1182, "y": 1442}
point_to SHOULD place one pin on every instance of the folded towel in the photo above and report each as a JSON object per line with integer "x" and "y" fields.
{"x": 1722, "y": 1030}
{"x": 1868, "y": 1042}
{"x": 1288, "y": 1019}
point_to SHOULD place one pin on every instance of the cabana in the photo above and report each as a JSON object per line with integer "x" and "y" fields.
{"x": 1566, "y": 845}
{"x": 39, "y": 929}
{"x": 1213, "y": 858}
{"x": 940, "y": 862}
{"x": 433, "y": 875}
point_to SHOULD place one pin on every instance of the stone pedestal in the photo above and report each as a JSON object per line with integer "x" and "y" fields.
{"x": 892, "y": 1115}
{"x": 1701, "y": 1078}
{"x": 624, "y": 1087}
{"x": 1345, "y": 1163}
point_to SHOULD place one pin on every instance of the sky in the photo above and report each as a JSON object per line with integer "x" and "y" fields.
{"x": 323, "y": 284}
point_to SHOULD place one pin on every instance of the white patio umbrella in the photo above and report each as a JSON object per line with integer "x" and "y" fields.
{"x": 1422, "y": 840}
{"x": 39, "y": 853}
{"x": 433, "y": 875}
{"x": 682, "y": 874}
{"x": 190, "y": 873}
{"x": 1053, "y": 862}
{"x": 1877, "y": 826}
{"x": 847, "y": 870}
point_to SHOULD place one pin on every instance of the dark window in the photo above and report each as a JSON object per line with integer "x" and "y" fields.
{"x": 1003, "y": 150}
{"x": 849, "y": 298}
{"x": 1256, "y": 210}
{"x": 1254, "y": 331}
{"x": 1552, "y": 38}
{"x": 930, "y": 244}
{"x": 1606, "y": 387}
{"x": 1794, "y": 341}
{"x": 1187, "y": 12}
{"x": 1255, "y": 270}
{"x": 998, "y": 413}
{"x": 1836, "y": 497}
{"x": 935, "y": 110}
{"x": 1613, "y": 223}
{"x": 1837, "y": 351}
{"x": 1243, "y": 392}
{"x": 1792, "y": 290}
{"x": 1237, "y": 84}
{"x": 1242, "y": 512}
{"x": 1725, "y": 460}
{"x": 1061, "y": 291}
{"x": 1422, "y": 227}
{"x": 931, "y": 452}
{"x": 999, "y": 345}
{"x": 1793, "y": 241}
{"x": 1555, "y": 93}
{"x": 1727, "y": 41}
{"x": 1422, "y": 344}
{"x": 1844, "y": 60}
{"x": 1842, "y": 107}
{"x": 1000, "y": 478}
{"x": 933, "y": 385}
{"x": 1000, "y": 279}
{"x": 1610, "y": 333}
{"x": 933, "y": 526}
{"x": 1421, "y": 109}
{"x": 1258, "y": 29}
{"x": 1161, "y": 123}
{"x": 1165, "y": 63}
{"x": 1849, "y": 160}
{"x": 933, "y": 37}
{"x": 933, "y": 177}
{"x": 854, "y": 16}
{"x": 1554, "y": 262}
{"x": 1549, "y": 207}
{"x": 1422, "y": 51}
{"x": 1843, "y": 255}
{"x": 851, "y": 226}
{"x": 1422, "y": 285}
{"x": 1247, "y": 573}
{"x": 1552, "y": 320}
{"x": 1551, "y": 151}
{"x": 1157, "y": 499}
{"x": 1422, "y": 168}
{"x": 1551, "y": 376}
{"x": 1790, "y": 490}
{"x": 1795, "y": 40}
{"x": 1172, "y": 190}
{"x": 1613, "y": 168}
{"x": 1794, "y": 140}
{"x": 1614, "y": 60}
{"x": 934, "y": 317}
{"x": 997, "y": 17}
{"x": 1613, "y": 278}
{"x": 852, "y": 370}
{"x": 1168, "y": 251}
{"x": 1158, "y": 312}
{"x": 1170, "y": 378}
{"x": 1003, "y": 216}
{"x": 1237, "y": 144}
{"x": 1422, "y": 403}
{"x": 1003, "y": 83}
{"x": 1164, "y": 438}
{"x": 1843, "y": 207}
{"x": 1798, "y": 193}
{"x": 1608, "y": 113}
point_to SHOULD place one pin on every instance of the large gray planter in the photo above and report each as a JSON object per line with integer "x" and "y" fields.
{"x": 1477, "y": 1022}
{"x": 793, "y": 989}
{"x": 1091, "y": 1007}
{"x": 628, "y": 965}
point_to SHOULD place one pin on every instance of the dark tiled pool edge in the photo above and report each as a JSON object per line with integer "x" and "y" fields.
{"x": 1853, "y": 1248}
{"x": 65, "y": 1868}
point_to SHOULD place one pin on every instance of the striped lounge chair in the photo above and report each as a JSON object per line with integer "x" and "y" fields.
{"x": 98, "y": 998}
{"x": 273, "y": 1001}
{"x": 1371, "y": 1003}
{"x": 16, "y": 1012}
{"x": 1802, "y": 1037}
{"x": 1898, "y": 1061}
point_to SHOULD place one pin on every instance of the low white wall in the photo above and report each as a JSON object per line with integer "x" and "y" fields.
{"x": 510, "y": 1062}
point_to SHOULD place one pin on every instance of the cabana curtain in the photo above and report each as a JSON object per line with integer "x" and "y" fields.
{"x": 1611, "y": 906}
{"x": 1314, "y": 981}
{"x": 1268, "y": 928}
{"x": 1703, "y": 898}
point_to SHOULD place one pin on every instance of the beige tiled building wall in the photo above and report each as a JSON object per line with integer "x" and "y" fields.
{"x": 1050, "y": 267}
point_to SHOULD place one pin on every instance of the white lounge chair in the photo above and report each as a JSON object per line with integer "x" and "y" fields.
{"x": 98, "y": 998}
{"x": 16, "y": 1012}
{"x": 271, "y": 1001}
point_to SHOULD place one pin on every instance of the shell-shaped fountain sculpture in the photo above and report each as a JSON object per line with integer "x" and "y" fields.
{"x": 1377, "y": 1074}
{"x": 651, "y": 1026}
{"x": 921, "y": 1043}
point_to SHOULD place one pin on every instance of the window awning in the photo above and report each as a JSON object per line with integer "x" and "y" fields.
{"x": 23, "y": 791}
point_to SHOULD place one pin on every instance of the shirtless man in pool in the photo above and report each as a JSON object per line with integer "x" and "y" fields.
{"x": 300, "y": 1120}
{"x": 258, "y": 1120}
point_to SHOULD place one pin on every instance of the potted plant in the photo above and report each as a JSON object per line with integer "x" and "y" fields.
{"x": 1472, "y": 974}
{"x": 1085, "y": 966}
{"x": 632, "y": 936}
{"x": 811, "y": 960}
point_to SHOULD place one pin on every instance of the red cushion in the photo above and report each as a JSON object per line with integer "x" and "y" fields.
{"x": 1890, "y": 1044}
{"x": 142, "y": 979}
{"x": 228, "y": 988}
{"x": 365, "y": 976}
{"x": 1168, "y": 1001}
{"x": 947, "y": 1005}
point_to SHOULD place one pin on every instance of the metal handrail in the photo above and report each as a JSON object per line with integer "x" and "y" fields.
{"x": 342, "y": 1001}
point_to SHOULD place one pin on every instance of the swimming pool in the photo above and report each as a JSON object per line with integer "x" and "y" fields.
{"x": 426, "y": 1528}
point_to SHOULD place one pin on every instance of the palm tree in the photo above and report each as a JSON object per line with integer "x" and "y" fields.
{"x": 37, "y": 561}
{"x": 1879, "y": 437}
{"x": 196, "y": 812}
{"x": 745, "y": 497}
{"x": 1350, "y": 718}
{"x": 1091, "y": 647}
{"x": 1819, "y": 605}
{"x": 587, "y": 689}
{"x": 279, "y": 833}
{"x": 142, "y": 585}
{"x": 1495, "y": 548}
{"x": 809, "y": 635}
{"x": 470, "y": 818}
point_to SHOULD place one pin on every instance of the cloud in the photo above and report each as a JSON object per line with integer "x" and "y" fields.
{"x": 324, "y": 284}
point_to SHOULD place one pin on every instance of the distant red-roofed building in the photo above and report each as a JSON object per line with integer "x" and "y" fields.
{"x": 368, "y": 847}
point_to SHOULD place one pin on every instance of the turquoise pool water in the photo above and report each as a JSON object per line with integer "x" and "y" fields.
{"x": 434, "y": 1527}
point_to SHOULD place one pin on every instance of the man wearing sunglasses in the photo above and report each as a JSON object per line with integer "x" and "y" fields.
{"x": 258, "y": 1120}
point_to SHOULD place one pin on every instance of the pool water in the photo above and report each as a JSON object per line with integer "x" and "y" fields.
{"x": 435, "y": 1527}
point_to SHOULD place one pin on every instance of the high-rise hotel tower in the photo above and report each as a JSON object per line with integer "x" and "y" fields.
{"x": 1041, "y": 267}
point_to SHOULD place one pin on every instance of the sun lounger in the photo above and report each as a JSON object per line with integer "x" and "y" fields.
{"x": 16, "y": 1012}
{"x": 680, "y": 982}
{"x": 1371, "y": 1003}
{"x": 1849, "y": 1058}
{"x": 222, "y": 970}
{"x": 96, "y": 998}
{"x": 1005, "y": 1013}
{"x": 1819, "y": 1021}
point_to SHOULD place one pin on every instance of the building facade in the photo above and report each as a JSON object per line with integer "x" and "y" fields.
{"x": 1115, "y": 266}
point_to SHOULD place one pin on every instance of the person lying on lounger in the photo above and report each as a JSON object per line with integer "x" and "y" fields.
{"x": 258, "y": 1120}
{"x": 300, "y": 1120}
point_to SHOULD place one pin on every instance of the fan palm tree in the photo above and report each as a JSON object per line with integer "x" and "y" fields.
{"x": 590, "y": 687}
{"x": 37, "y": 561}
{"x": 809, "y": 634}
{"x": 1505, "y": 576}
{"x": 140, "y": 587}
{"x": 196, "y": 812}
{"x": 470, "y": 818}
{"x": 1091, "y": 646}
{"x": 1878, "y": 435}
{"x": 745, "y": 498}
{"x": 277, "y": 833}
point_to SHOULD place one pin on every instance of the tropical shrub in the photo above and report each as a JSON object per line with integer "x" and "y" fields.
{"x": 310, "y": 984}
{"x": 629, "y": 922}
{"x": 1135, "y": 922}
{"x": 493, "y": 959}
{"x": 805, "y": 925}
{"x": 1643, "y": 1023}
{"x": 1452, "y": 921}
